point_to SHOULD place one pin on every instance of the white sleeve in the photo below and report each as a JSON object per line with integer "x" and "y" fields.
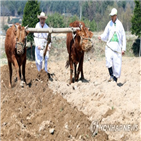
{"x": 36, "y": 35}
{"x": 49, "y": 45}
{"x": 123, "y": 38}
{"x": 36, "y": 41}
{"x": 105, "y": 34}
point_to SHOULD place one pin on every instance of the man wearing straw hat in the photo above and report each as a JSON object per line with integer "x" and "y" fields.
{"x": 40, "y": 43}
{"x": 114, "y": 35}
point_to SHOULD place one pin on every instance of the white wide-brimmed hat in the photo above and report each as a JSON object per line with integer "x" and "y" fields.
{"x": 42, "y": 15}
{"x": 113, "y": 12}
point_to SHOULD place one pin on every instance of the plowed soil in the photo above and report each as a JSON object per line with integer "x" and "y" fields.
{"x": 34, "y": 113}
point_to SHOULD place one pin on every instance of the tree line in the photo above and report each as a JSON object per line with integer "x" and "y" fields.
{"x": 125, "y": 13}
{"x": 94, "y": 13}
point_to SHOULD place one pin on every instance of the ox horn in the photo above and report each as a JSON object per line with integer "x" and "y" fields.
{"x": 16, "y": 26}
{"x": 26, "y": 27}
{"x": 80, "y": 26}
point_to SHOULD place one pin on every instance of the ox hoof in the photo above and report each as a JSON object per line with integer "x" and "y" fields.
{"x": 70, "y": 82}
{"x": 84, "y": 80}
{"x": 73, "y": 80}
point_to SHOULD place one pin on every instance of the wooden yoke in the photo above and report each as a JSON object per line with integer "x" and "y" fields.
{"x": 49, "y": 31}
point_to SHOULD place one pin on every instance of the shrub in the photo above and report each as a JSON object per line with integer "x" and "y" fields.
{"x": 136, "y": 47}
{"x": 5, "y": 27}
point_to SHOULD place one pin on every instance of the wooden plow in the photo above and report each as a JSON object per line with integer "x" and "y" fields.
{"x": 50, "y": 31}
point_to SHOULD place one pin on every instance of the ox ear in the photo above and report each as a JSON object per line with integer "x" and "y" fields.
{"x": 16, "y": 26}
{"x": 80, "y": 26}
{"x": 91, "y": 34}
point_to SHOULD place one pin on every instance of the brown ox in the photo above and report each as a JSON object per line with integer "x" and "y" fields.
{"x": 77, "y": 43}
{"x": 15, "y": 48}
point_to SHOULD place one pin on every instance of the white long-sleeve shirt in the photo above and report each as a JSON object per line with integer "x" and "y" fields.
{"x": 40, "y": 38}
{"x": 109, "y": 32}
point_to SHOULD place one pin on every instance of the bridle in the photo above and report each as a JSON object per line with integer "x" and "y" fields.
{"x": 23, "y": 45}
{"x": 83, "y": 38}
{"x": 20, "y": 43}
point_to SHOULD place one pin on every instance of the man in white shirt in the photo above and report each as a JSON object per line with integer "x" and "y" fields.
{"x": 114, "y": 35}
{"x": 40, "y": 43}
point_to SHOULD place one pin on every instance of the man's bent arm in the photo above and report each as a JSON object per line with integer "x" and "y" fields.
{"x": 123, "y": 39}
{"x": 104, "y": 36}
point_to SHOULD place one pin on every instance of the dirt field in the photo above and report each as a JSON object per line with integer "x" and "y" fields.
{"x": 104, "y": 102}
{"x": 45, "y": 110}
{"x": 30, "y": 112}
{"x": 34, "y": 113}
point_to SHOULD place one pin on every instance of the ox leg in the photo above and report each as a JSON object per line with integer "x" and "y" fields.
{"x": 82, "y": 74}
{"x": 23, "y": 71}
{"x": 17, "y": 67}
{"x": 20, "y": 72}
{"x": 75, "y": 72}
{"x": 10, "y": 73}
{"x": 80, "y": 68}
{"x": 71, "y": 71}
{"x": 78, "y": 72}
{"x": 81, "y": 62}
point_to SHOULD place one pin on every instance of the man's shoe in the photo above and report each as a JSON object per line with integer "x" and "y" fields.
{"x": 49, "y": 76}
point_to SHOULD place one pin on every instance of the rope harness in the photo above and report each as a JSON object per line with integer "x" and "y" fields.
{"x": 86, "y": 47}
{"x": 113, "y": 50}
{"x": 81, "y": 40}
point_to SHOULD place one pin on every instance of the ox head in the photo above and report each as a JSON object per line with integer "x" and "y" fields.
{"x": 21, "y": 34}
{"x": 84, "y": 35}
{"x": 85, "y": 38}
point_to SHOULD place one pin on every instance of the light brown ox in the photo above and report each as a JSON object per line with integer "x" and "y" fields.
{"x": 77, "y": 44}
{"x": 15, "y": 48}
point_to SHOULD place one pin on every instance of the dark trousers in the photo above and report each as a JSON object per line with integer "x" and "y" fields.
{"x": 111, "y": 74}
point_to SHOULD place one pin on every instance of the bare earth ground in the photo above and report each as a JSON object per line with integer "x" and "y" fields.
{"x": 29, "y": 113}
{"x": 102, "y": 101}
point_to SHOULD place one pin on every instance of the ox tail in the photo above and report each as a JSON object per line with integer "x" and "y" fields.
{"x": 67, "y": 64}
